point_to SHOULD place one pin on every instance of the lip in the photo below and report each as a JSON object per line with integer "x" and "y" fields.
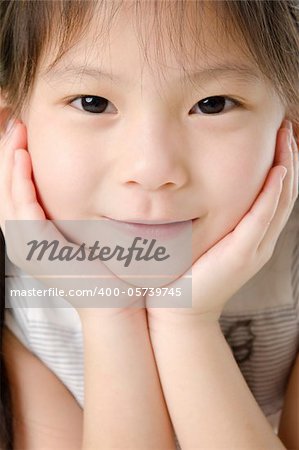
{"x": 160, "y": 229}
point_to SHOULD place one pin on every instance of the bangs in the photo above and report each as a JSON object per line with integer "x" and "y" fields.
{"x": 161, "y": 28}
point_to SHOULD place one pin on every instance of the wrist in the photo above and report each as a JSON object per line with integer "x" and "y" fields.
{"x": 109, "y": 317}
{"x": 183, "y": 335}
{"x": 181, "y": 318}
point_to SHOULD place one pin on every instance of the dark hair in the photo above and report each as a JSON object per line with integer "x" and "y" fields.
{"x": 267, "y": 30}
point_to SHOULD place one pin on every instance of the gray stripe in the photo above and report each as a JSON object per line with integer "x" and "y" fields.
{"x": 69, "y": 366}
{"x": 54, "y": 328}
{"x": 282, "y": 312}
{"x": 59, "y": 353}
{"x": 62, "y": 339}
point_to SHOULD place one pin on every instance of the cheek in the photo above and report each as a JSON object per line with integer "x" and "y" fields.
{"x": 61, "y": 174}
{"x": 232, "y": 182}
{"x": 240, "y": 178}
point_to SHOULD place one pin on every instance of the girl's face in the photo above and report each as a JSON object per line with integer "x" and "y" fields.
{"x": 152, "y": 149}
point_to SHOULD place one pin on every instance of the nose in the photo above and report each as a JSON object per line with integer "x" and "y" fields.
{"x": 154, "y": 157}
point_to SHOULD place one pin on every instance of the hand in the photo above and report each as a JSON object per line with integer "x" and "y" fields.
{"x": 19, "y": 203}
{"x": 227, "y": 266}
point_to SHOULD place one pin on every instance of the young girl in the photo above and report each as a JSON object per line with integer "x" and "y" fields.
{"x": 98, "y": 132}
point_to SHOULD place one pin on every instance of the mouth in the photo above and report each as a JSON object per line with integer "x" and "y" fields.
{"x": 154, "y": 229}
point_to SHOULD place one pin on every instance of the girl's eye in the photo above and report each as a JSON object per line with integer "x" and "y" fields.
{"x": 215, "y": 105}
{"x": 92, "y": 104}
{"x": 210, "y": 105}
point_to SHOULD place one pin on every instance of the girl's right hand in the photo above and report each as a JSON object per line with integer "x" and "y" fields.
{"x": 19, "y": 203}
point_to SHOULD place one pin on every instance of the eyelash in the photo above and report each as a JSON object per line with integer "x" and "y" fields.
{"x": 236, "y": 103}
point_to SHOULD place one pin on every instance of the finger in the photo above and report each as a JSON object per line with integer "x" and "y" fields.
{"x": 8, "y": 144}
{"x": 296, "y": 168}
{"x": 252, "y": 228}
{"x": 286, "y": 201}
{"x": 16, "y": 136}
{"x": 6, "y": 169}
{"x": 285, "y": 157}
{"x": 23, "y": 190}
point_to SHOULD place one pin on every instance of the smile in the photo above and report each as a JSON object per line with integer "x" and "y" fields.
{"x": 152, "y": 230}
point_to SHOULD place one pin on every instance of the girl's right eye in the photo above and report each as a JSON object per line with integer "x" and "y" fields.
{"x": 92, "y": 104}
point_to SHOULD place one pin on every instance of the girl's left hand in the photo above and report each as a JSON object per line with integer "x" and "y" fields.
{"x": 227, "y": 266}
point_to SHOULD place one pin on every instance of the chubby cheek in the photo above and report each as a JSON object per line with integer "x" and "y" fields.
{"x": 234, "y": 184}
{"x": 60, "y": 175}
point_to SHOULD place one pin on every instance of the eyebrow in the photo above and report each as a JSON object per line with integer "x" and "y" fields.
{"x": 241, "y": 72}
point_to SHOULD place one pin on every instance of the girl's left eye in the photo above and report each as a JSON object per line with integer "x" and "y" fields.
{"x": 92, "y": 103}
{"x": 216, "y": 104}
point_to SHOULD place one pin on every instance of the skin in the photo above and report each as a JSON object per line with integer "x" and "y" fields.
{"x": 225, "y": 173}
{"x": 209, "y": 167}
{"x": 229, "y": 163}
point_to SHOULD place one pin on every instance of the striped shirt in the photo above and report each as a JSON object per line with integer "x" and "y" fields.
{"x": 260, "y": 323}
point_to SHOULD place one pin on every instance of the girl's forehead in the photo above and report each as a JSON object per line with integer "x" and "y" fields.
{"x": 159, "y": 35}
